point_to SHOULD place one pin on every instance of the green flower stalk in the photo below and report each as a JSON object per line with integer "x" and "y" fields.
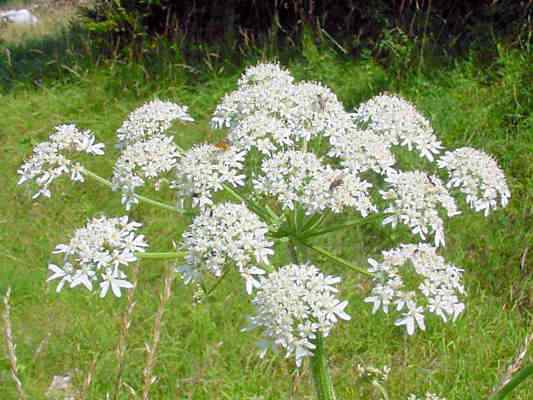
{"x": 320, "y": 370}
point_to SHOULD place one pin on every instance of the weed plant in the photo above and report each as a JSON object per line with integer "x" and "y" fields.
{"x": 202, "y": 354}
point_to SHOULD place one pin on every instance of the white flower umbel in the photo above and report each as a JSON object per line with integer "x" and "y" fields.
{"x": 478, "y": 176}
{"x": 265, "y": 73}
{"x": 50, "y": 159}
{"x": 271, "y": 97}
{"x": 293, "y": 305}
{"x": 140, "y": 162}
{"x": 226, "y": 234}
{"x": 97, "y": 254}
{"x": 262, "y": 132}
{"x": 307, "y": 109}
{"x": 415, "y": 280}
{"x": 152, "y": 118}
{"x": 361, "y": 150}
{"x": 315, "y": 111}
{"x": 415, "y": 198}
{"x": 204, "y": 169}
{"x": 398, "y": 122}
{"x": 299, "y": 177}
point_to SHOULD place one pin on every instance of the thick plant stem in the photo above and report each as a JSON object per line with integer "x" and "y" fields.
{"x": 319, "y": 361}
{"x": 320, "y": 371}
{"x": 518, "y": 378}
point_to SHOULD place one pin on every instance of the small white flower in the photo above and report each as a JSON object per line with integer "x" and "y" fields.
{"x": 251, "y": 278}
{"x": 412, "y": 318}
{"x": 478, "y": 176}
{"x": 63, "y": 274}
{"x": 114, "y": 279}
{"x": 316, "y": 111}
{"x": 306, "y": 109}
{"x": 293, "y": 305}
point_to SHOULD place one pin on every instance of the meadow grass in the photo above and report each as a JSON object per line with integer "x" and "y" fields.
{"x": 203, "y": 354}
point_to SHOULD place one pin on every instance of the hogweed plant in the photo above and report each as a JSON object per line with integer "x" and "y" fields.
{"x": 292, "y": 159}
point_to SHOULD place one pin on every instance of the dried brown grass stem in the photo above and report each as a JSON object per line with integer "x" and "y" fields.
{"x": 151, "y": 349}
{"x": 11, "y": 346}
{"x": 124, "y": 331}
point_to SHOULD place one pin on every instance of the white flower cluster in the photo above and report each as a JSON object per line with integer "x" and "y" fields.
{"x": 152, "y": 118}
{"x": 306, "y": 109}
{"x": 97, "y": 253}
{"x": 261, "y": 131}
{"x": 398, "y": 122}
{"x": 362, "y": 150}
{"x": 265, "y": 73}
{"x": 49, "y": 162}
{"x": 299, "y": 177}
{"x": 316, "y": 111}
{"x": 293, "y": 305}
{"x": 415, "y": 199}
{"x": 146, "y": 151}
{"x": 204, "y": 169}
{"x": 440, "y": 285}
{"x": 428, "y": 396}
{"x": 141, "y": 161}
{"x": 227, "y": 233}
{"x": 478, "y": 176}
{"x": 270, "y": 96}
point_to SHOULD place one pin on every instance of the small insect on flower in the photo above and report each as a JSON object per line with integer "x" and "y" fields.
{"x": 320, "y": 104}
{"x": 223, "y": 145}
{"x": 336, "y": 182}
{"x": 433, "y": 180}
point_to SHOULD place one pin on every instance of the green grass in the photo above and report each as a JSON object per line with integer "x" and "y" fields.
{"x": 203, "y": 353}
